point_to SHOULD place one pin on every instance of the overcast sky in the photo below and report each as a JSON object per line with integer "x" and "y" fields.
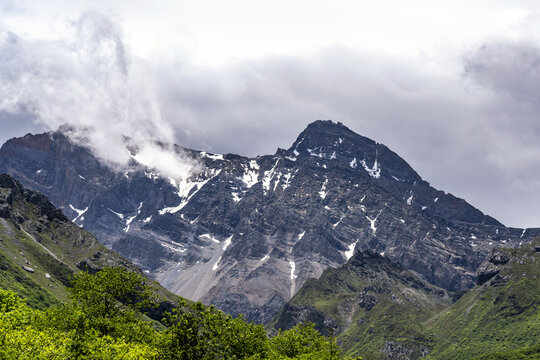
{"x": 452, "y": 87}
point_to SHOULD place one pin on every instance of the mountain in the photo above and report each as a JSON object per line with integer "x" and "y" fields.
{"x": 374, "y": 306}
{"x": 246, "y": 233}
{"x": 379, "y": 310}
{"x": 40, "y": 249}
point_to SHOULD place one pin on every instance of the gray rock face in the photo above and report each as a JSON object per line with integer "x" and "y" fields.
{"x": 246, "y": 233}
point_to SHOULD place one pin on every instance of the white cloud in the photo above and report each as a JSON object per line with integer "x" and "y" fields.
{"x": 91, "y": 82}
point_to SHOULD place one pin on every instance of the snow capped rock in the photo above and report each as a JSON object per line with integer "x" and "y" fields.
{"x": 227, "y": 242}
{"x": 212, "y": 156}
{"x": 350, "y": 252}
{"x": 323, "y": 192}
{"x": 375, "y": 171}
{"x": 209, "y": 237}
{"x": 186, "y": 190}
{"x": 236, "y": 197}
{"x": 410, "y": 199}
{"x": 79, "y": 213}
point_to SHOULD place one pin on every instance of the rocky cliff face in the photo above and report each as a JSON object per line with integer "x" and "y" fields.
{"x": 246, "y": 233}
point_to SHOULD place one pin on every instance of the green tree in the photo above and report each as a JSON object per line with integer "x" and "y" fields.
{"x": 199, "y": 332}
{"x": 303, "y": 342}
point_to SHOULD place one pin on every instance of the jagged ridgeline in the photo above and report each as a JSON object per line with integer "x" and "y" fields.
{"x": 245, "y": 234}
{"x": 40, "y": 249}
{"x": 380, "y": 310}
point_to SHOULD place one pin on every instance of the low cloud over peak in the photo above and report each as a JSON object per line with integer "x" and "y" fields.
{"x": 91, "y": 82}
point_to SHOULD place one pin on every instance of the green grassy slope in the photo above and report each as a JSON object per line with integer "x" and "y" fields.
{"x": 33, "y": 234}
{"x": 381, "y": 311}
{"x": 372, "y": 304}
{"x": 501, "y": 314}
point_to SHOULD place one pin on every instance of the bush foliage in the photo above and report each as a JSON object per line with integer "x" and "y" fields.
{"x": 103, "y": 321}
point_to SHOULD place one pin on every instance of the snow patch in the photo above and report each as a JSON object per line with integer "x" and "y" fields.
{"x": 402, "y": 221}
{"x": 227, "y": 242}
{"x": 319, "y": 154}
{"x": 290, "y": 158}
{"x": 121, "y": 216}
{"x": 254, "y": 165}
{"x": 436, "y": 199}
{"x": 268, "y": 177}
{"x": 264, "y": 258}
{"x": 147, "y": 219}
{"x": 323, "y": 192}
{"x": 215, "y": 267}
{"x": 131, "y": 218}
{"x": 333, "y": 156}
{"x": 82, "y": 177}
{"x": 186, "y": 190}
{"x": 236, "y": 197}
{"x": 353, "y": 163}
{"x": 39, "y": 171}
{"x": 79, "y": 213}
{"x": 212, "y": 156}
{"x": 151, "y": 175}
{"x": 287, "y": 180}
{"x": 293, "y": 268}
{"x": 301, "y": 235}
{"x": 209, "y": 237}
{"x": 523, "y": 233}
{"x": 336, "y": 224}
{"x": 375, "y": 171}
{"x": 250, "y": 177}
{"x": 372, "y": 221}
{"x": 177, "y": 249}
{"x": 349, "y": 253}
{"x": 410, "y": 199}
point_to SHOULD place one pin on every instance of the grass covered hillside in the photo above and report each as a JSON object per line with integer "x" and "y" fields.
{"x": 502, "y": 313}
{"x": 40, "y": 249}
{"x": 378, "y": 310}
{"x": 374, "y": 306}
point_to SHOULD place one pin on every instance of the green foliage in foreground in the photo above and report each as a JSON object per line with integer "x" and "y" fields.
{"x": 103, "y": 321}
{"x": 528, "y": 353}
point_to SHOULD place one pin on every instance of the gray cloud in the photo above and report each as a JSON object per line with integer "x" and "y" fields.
{"x": 474, "y": 132}
{"x": 471, "y": 131}
{"x": 91, "y": 82}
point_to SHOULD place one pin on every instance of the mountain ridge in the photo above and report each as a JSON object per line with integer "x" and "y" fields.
{"x": 246, "y": 233}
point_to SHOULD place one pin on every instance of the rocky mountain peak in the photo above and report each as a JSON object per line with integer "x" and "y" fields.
{"x": 246, "y": 233}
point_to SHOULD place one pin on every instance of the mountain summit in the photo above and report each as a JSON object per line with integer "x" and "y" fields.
{"x": 246, "y": 233}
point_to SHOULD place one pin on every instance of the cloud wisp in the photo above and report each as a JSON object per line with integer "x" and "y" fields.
{"x": 90, "y": 82}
